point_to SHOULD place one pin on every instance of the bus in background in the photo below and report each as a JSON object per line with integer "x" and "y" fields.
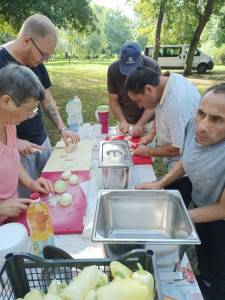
{"x": 174, "y": 57}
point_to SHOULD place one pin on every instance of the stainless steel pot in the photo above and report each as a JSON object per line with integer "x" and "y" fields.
{"x": 115, "y": 160}
{"x": 149, "y": 219}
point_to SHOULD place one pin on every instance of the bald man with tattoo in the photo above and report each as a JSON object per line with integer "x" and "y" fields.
{"x": 35, "y": 44}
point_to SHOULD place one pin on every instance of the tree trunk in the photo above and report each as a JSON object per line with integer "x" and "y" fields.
{"x": 196, "y": 37}
{"x": 158, "y": 30}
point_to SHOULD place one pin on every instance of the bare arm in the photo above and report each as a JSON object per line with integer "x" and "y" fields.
{"x": 175, "y": 173}
{"x": 209, "y": 213}
{"x": 52, "y": 112}
{"x": 26, "y": 147}
{"x": 117, "y": 111}
{"x": 138, "y": 128}
{"x": 162, "y": 151}
{"x": 150, "y": 136}
{"x": 40, "y": 185}
{"x": 13, "y": 207}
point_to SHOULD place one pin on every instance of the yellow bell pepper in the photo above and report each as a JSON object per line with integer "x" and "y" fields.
{"x": 120, "y": 270}
{"x": 146, "y": 278}
{"x": 81, "y": 285}
{"x": 52, "y": 297}
{"x": 124, "y": 289}
{"x": 35, "y": 294}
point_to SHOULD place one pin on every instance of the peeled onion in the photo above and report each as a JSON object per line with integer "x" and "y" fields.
{"x": 73, "y": 179}
{"x": 71, "y": 146}
{"x": 60, "y": 186}
{"x": 66, "y": 175}
{"x": 65, "y": 199}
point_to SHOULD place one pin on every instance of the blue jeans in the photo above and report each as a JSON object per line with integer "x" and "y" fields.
{"x": 211, "y": 256}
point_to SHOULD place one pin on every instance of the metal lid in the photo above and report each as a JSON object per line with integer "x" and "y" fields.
{"x": 103, "y": 108}
{"x": 114, "y": 154}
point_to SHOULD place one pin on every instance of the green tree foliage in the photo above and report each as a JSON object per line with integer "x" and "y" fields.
{"x": 178, "y": 22}
{"x": 69, "y": 14}
{"x": 117, "y": 30}
{"x": 182, "y": 22}
{"x": 215, "y": 29}
{"x": 82, "y": 45}
{"x": 204, "y": 11}
{"x": 219, "y": 55}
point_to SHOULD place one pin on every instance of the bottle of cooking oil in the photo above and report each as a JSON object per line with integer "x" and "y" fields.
{"x": 39, "y": 222}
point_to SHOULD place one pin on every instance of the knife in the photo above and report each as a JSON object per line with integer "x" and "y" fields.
{"x": 49, "y": 148}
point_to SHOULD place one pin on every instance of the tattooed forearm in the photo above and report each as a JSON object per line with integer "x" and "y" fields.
{"x": 51, "y": 113}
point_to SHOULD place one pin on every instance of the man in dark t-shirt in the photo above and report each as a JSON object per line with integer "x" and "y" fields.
{"x": 127, "y": 112}
{"x": 34, "y": 44}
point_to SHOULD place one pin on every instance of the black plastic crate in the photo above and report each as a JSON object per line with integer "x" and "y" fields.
{"x": 22, "y": 272}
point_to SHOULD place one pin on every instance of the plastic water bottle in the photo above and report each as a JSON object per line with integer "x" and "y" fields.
{"x": 78, "y": 110}
{"x": 71, "y": 116}
{"x": 39, "y": 222}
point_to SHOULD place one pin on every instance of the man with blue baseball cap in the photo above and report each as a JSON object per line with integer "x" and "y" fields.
{"x": 128, "y": 114}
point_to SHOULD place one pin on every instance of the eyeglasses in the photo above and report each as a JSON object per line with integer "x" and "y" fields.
{"x": 44, "y": 57}
{"x": 30, "y": 111}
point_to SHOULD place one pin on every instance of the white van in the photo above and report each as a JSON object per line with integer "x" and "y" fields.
{"x": 174, "y": 57}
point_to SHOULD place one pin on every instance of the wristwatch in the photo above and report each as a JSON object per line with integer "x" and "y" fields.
{"x": 62, "y": 129}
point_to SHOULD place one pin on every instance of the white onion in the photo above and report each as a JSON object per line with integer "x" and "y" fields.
{"x": 66, "y": 175}
{"x": 60, "y": 186}
{"x": 65, "y": 199}
{"x": 73, "y": 179}
{"x": 70, "y": 147}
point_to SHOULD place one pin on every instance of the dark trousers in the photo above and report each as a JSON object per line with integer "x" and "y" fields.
{"x": 211, "y": 256}
{"x": 183, "y": 185}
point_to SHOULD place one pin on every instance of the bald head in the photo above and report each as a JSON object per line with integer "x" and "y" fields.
{"x": 39, "y": 26}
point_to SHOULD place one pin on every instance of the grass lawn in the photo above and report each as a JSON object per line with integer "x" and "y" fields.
{"x": 88, "y": 81}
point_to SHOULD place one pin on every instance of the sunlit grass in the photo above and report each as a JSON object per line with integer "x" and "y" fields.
{"x": 89, "y": 82}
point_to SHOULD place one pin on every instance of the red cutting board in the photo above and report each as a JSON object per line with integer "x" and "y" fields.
{"x": 69, "y": 219}
{"x": 137, "y": 160}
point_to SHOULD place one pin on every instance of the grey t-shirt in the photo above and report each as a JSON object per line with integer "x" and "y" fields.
{"x": 115, "y": 83}
{"x": 205, "y": 167}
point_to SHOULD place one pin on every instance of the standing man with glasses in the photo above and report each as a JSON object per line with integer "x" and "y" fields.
{"x": 35, "y": 44}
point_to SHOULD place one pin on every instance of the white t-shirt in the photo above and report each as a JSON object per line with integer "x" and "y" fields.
{"x": 178, "y": 104}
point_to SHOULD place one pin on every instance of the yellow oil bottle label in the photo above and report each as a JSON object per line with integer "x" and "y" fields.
{"x": 39, "y": 245}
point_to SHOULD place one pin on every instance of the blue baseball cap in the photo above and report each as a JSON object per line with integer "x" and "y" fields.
{"x": 129, "y": 58}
